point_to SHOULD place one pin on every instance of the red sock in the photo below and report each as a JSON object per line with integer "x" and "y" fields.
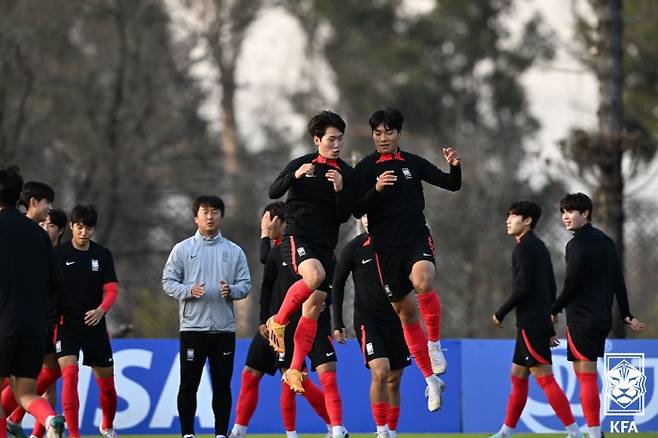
{"x": 3, "y": 427}
{"x": 9, "y": 403}
{"x": 332, "y": 397}
{"x": 288, "y": 407}
{"x": 517, "y": 398}
{"x": 379, "y": 412}
{"x": 295, "y": 297}
{"x": 304, "y": 338}
{"x": 70, "y": 400}
{"x": 589, "y": 398}
{"x": 248, "y": 398}
{"x": 41, "y": 410}
{"x": 4, "y": 383}
{"x": 417, "y": 343}
{"x": 392, "y": 417}
{"x": 108, "y": 401}
{"x": 556, "y": 398}
{"x": 39, "y": 430}
{"x": 315, "y": 398}
{"x": 430, "y": 310}
{"x": 46, "y": 378}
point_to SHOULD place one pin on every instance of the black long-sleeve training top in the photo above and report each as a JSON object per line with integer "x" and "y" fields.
{"x": 29, "y": 276}
{"x": 314, "y": 210}
{"x": 395, "y": 215}
{"x": 533, "y": 281}
{"x": 370, "y": 301}
{"x": 594, "y": 276}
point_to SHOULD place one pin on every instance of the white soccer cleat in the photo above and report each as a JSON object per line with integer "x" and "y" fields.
{"x": 56, "y": 427}
{"x": 108, "y": 433}
{"x": 433, "y": 391}
{"x": 438, "y": 360}
{"x": 236, "y": 434}
{"x": 383, "y": 434}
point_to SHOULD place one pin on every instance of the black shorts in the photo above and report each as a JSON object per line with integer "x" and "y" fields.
{"x": 394, "y": 267}
{"x": 50, "y": 340}
{"x": 295, "y": 250}
{"x": 585, "y": 343}
{"x": 21, "y": 356}
{"x": 322, "y": 350}
{"x": 377, "y": 341}
{"x": 533, "y": 347}
{"x": 260, "y": 356}
{"x": 93, "y": 341}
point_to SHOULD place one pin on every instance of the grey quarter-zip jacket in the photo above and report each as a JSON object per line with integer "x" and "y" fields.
{"x": 200, "y": 259}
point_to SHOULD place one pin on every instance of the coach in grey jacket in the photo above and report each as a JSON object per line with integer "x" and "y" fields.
{"x": 206, "y": 273}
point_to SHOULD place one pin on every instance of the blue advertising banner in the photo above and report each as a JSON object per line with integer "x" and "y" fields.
{"x": 478, "y": 384}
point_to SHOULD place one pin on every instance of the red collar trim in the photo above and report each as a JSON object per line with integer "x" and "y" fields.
{"x": 389, "y": 157}
{"x": 322, "y": 160}
{"x": 366, "y": 242}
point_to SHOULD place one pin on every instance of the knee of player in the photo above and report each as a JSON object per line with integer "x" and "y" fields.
{"x": 314, "y": 279}
{"x": 393, "y": 381}
{"x": 380, "y": 377}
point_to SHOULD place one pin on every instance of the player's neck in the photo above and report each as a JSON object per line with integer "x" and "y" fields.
{"x": 84, "y": 247}
{"x": 520, "y": 237}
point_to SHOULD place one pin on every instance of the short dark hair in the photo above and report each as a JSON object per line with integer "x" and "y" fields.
{"x": 58, "y": 217}
{"x": 391, "y": 118}
{"x": 85, "y": 215}
{"x": 11, "y": 184}
{"x": 208, "y": 200}
{"x": 37, "y": 190}
{"x": 276, "y": 209}
{"x": 526, "y": 209}
{"x": 319, "y": 123}
{"x": 577, "y": 201}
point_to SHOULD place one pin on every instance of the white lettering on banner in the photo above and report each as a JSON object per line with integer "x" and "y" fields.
{"x": 624, "y": 426}
{"x": 138, "y": 399}
{"x": 166, "y": 410}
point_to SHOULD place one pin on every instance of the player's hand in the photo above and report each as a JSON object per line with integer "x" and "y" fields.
{"x": 340, "y": 336}
{"x": 304, "y": 169}
{"x": 634, "y": 324}
{"x": 197, "y": 290}
{"x": 336, "y": 179}
{"x": 266, "y": 225}
{"x": 555, "y": 319}
{"x": 497, "y": 323}
{"x": 93, "y": 317}
{"x": 224, "y": 290}
{"x": 554, "y": 342}
{"x": 452, "y": 156}
{"x": 387, "y": 178}
{"x": 262, "y": 329}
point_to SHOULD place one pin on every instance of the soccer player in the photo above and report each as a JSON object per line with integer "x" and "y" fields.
{"x": 206, "y": 273}
{"x": 89, "y": 291}
{"x": 377, "y": 326}
{"x": 533, "y": 292}
{"x": 55, "y": 225}
{"x": 320, "y": 198}
{"x": 391, "y": 194}
{"x": 277, "y": 278}
{"x": 37, "y": 198}
{"x": 28, "y": 276}
{"x": 594, "y": 277}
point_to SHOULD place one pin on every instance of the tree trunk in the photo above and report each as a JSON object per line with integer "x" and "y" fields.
{"x": 609, "y": 67}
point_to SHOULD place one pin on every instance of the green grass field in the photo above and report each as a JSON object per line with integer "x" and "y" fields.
{"x": 416, "y": 435}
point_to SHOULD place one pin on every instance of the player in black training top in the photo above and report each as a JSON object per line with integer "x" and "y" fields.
{"x": 28, "y": 276}
{"x": 89, "y": 290}
{"x": 533, "y": 292}
{"x": 594, "y": 276}
{"x": 391, "y": 194}
{"x": 377, "y": 328}
{"x": 320, "y": 198}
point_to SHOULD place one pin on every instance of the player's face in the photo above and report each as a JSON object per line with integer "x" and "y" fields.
{"x": 208, "y": 219}
{"x": 38, "y": 209}
{"x": 81, "y": 234}
{"x": 516, "y": 225}
{"x": 53, "y": 230}
{"x": 277, "y": 228}
{"x": 386, "y": 139}
{"x": 573, "y": 219}
{"x": 364, "y": 222}
{"x": 330, "y": 144}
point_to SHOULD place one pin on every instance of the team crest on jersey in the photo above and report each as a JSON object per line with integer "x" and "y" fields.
{"x": 301, "y": 251}
{"x": 388, "y": 290}
{"x": 225, "y": 256}
{"x": 406, "y": 172}
{"x": 94, "y": 265}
